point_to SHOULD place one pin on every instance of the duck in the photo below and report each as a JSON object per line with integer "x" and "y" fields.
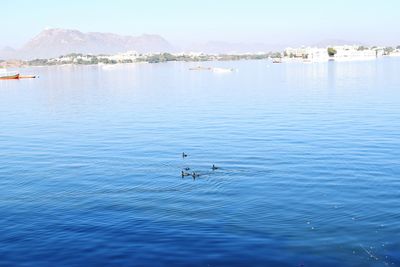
{"x": 184, "y": 155}
{"x": 214, "y": 167}
{"x": 194, "y": 175}
{"x": 185, "y": 174}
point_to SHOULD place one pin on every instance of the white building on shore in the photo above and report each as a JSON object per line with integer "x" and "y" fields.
{"x": 307, "y": 54}
{"x": 121, "y": 57}
{"x": 354, "y": 52}
{"x": 341, "y": 53}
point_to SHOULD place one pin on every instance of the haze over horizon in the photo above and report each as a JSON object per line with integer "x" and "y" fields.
{"x": 183, "y": 23}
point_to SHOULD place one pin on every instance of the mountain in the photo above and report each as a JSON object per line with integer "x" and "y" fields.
{"x": 56, "y": 42}
{"x": 7, "y": 52}
{"x": 217, "y": 47}
{"x": 334, "y": 42}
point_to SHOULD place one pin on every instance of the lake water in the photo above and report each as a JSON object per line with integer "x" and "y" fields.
{"x": 309, "y": 157}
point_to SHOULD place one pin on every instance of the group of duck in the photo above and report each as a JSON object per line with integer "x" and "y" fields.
{"x": 186, "y": 171}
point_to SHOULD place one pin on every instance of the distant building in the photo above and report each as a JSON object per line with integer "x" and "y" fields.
{"x": 353, "y": 52}
{"x": 343, "y": 53}
{"x": 295, "y": 52}
{"x": 121, "y": 57}
{"x": 307, "y": 53}
{"x": 317, "y": 54}
{"x": 395, "y": 53}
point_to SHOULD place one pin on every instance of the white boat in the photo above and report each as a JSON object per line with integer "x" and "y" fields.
{"x": 222, "y": 70}
{"x": 277, "y": 60}
{"x": 200, "y": 68}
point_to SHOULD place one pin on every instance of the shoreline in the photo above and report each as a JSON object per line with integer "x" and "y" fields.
{"x": 24, "y": 65}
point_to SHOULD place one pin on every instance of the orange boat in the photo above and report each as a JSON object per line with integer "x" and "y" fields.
{"x": 9, "y": 76}
{"x": 27, "y": 76}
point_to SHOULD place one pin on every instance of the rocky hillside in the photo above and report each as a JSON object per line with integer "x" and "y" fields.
{"x": 56, "y": 42}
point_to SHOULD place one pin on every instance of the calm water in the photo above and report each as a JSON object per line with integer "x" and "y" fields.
{"x": 90, "y": 165}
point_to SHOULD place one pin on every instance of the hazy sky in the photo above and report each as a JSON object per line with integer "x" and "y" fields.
{"x": 190, "y": 21}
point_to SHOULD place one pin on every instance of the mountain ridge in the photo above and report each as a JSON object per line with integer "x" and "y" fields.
{"x": 56, "y": 42}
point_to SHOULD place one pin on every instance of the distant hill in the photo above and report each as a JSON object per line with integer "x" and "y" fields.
{"x": 218, "y": 47}
{"x": 334, "y": 42}
{"x": 56, "y": 42}
{"x": 7, "y": 52}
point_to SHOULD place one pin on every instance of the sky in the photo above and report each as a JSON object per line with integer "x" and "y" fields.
{"x": 183, "y": 22}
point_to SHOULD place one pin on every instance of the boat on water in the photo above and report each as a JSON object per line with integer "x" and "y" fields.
{"x": 215, "y": 70}
{"x": 28, "y": 76}
{"x": 199, "y": 68}
{"x": 277, "y": 60}
{"x": 222, "y": 70}
{"x": 13, "y": 75}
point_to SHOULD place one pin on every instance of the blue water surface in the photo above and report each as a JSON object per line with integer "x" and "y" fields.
{"x": 309, "y": 157}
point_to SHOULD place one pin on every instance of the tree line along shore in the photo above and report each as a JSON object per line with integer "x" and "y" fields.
{"x": 83, "y": 59}
{"x": 304, "y": 53}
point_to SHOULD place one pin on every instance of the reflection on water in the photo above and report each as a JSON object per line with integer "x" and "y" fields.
{"x": 91, "y": 161}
